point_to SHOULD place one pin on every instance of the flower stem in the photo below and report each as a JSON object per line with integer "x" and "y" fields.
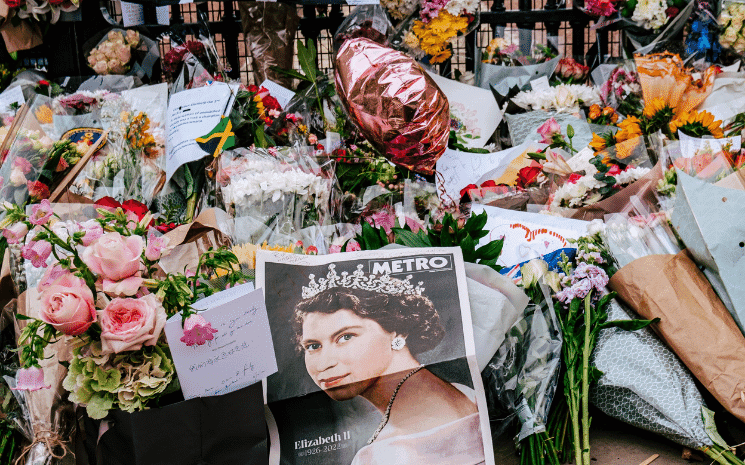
{"x": 586, "y": 383}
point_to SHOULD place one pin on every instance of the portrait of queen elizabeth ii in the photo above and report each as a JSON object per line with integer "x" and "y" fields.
{"x": 369, "y": 339}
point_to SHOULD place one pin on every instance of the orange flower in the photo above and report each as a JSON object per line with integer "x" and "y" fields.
{"x": 595, "y": 112}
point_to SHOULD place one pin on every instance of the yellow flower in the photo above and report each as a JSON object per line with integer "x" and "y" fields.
{"x": 246, "y": 253}
{"x": 629, "y": 129}
{"x": 440, "y": 56}
{"x": 697, "y": 124}
{"x": 654, "y": 106}
{"x": 598, "y": 142}
{"x": 44, "y": 114}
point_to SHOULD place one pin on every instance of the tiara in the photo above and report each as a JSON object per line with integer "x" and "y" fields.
{"x": 359, "y": 280}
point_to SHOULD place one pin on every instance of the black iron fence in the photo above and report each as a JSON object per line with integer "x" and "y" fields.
{"x": 558, "y": 22}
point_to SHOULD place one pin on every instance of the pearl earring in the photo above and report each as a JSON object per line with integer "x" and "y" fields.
{"x": 398, "y": 343}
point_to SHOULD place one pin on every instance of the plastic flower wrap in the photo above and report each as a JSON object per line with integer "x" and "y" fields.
{"x": 622, "y": 91}
{"x": 112, "y": 55}
{"x": 131, "y": 165}
{"x": 395, "y": 104}
{"x": 272, "y": 194}
{"x": 368, "y": 21}
{"x": 570, "y": 71}
{"x": 664, "y": 76}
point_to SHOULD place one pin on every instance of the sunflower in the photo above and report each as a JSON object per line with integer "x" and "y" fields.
{"x": 441, "y": 56}
{"x": 657, "y": 115}
{"x": 697, "y": 124}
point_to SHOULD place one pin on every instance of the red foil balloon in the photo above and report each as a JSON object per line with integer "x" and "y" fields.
{"x": 398, "y": 108}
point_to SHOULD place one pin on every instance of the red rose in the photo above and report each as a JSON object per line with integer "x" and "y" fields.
{"x": 138, "y": 208}
{"x": 44, "y": 82}
{"x": 573, "y": 178}
{"x": 270, "y": 103}
{"x": 489, "y": 183}
{"x": 37, "y": 190}
{"x": 14, "y": 3}
{"x": 108, "y": 203}
{"x": 253, "y": 88}
{"x": 614, "y": 170}
{"x": 672, "y": 12}
{"x": 527, "y": 176}
{"x": 165, "y": 227}
{"x": 465, "y": 190}
{"x": 56, "y": 2}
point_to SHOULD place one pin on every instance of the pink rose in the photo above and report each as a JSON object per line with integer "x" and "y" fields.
{"x": 336, "y": 248}
{"x": 155, "y": 247}
{"x": 41, "y": 212}
{"x": 353, "y": 246}
{"x": 15, "y": 233}
{"x": 52, "y": 274}
{"x": 548, "y": 129}
{"x": 114, "y": 256}
{"x": 128, "y": 324}
{"x": 37, "y": 252}
{"x": 68, "y": 305}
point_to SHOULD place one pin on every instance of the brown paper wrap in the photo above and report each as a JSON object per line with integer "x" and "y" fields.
{"x": 24, "y": 36}
{"x": 693, "y": 322}
{"x": 51, "y": 415}
{"x": 644, "y": 187}
{"x": 191, "y": 240}
{"x": 398, "y": 107}
{"x": 269, "y": 29}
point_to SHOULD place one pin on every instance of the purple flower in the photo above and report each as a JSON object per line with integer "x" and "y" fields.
{"x": 30, "y": 379}
{"x": 596, "y": 276}
{"x": 197, "y": 330}
{"x": 41, "y": 212}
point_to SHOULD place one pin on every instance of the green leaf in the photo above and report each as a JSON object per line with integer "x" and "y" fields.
{"x": 23, "y": 317}
{"x": 411, "y": 239}
{"x": 477, "y": 222}
{"x": 490, "y": 251}
{"x": 628, "y": 325}
{"x": 468, "y": 246}
{"x": 290, "y": 72}
{"x": 306, "y": 58}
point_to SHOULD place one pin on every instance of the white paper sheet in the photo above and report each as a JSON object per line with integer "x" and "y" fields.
{"x": 282, "y": 94}
{"x": 459, "y": 169}
{"x": 133, "y": 14}
{"x": 527, "y": 235}
{"x": 474, "y": 106}
{"x": 9, "y": 97}
{"x": 241, "y": 352}
{"x": 193, "y": 113}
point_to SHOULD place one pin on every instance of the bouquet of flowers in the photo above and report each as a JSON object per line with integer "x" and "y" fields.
{"x": 569, "y": 71}
{"x": 622, "y": 92}
{"x": 254, "y": 109}
{"x": 102, "y": 292}
{"x": 131, "y": 166}
{"x": 112, "y": 55}
{"x": 432, "y": 30}
{"x": 731, "y": 23}
{"x": 273, "y": 191}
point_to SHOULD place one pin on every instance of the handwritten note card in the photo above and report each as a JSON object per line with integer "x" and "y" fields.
{"x": 11, "y": 97}
{"x": 194, "y": 113}
{"x": 241, "y": 352}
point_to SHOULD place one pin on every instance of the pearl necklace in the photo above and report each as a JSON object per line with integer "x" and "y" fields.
{"x": 387, "y": 412}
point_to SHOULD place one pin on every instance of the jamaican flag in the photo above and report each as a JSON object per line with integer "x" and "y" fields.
{"x": 219, "y": 139}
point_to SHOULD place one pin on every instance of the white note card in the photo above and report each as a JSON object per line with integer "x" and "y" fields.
{"x": 194, "y": 113}
{"x": 282, "y": 94}
{"x": 540, "y": 84}
{"x": 241, "y": 352}
{"x": 133, "y": 14}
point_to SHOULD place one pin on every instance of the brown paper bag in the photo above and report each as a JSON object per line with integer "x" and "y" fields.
{"x": 191, "y": 240}
{"x": 644, "y": 187}
{"x": 23, "y": 36}
{"x": 693, "y": 322}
